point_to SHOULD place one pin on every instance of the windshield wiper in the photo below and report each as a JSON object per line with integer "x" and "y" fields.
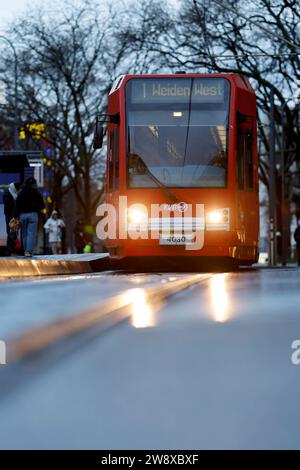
{"x": 161, "y": 185}
{"x": 169, "y": 193}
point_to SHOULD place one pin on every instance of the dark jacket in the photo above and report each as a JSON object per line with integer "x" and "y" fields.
{"x": 297, "y": 236}
{"x": 29, "y": 200}
{"x": 9, "y": 204}
{"x": 79, "y": 236}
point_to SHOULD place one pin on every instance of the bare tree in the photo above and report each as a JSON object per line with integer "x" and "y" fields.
{"x": 67, "y": 60}
{"x": 147, "y": 29}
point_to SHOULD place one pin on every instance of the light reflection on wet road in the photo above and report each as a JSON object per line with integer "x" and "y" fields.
{"x": 211, "y": 369}
{"x": 33, "y": 302}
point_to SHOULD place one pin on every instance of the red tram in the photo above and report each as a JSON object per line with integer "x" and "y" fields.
{"x": 182, "y": 168}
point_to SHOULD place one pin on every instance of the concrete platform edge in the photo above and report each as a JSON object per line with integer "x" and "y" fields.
{"x": 10, "y": 268}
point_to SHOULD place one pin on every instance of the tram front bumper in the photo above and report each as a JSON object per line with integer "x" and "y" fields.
{"x": 215, "y": 243}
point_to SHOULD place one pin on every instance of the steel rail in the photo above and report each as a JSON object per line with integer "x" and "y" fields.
{"x": 105, "y": 315}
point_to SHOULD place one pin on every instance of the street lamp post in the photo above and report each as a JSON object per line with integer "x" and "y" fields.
{"x": 272, "y": 186}
{"x": 16, "y": 136}
{"x": 282, "y": 164}
{"x": 284, "y": 219}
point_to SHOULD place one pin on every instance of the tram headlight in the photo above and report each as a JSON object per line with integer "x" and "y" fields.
{"x": 217, "y": 217}
{"x": 214, "y": 217}
{"x": 137, "y": 215}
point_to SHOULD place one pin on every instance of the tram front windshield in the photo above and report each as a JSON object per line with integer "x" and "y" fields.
{"x": 177, "y": 132}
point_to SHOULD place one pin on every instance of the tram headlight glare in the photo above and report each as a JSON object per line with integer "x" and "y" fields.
{"x": 136, "y": 216}
{"x": 214, "y": 217}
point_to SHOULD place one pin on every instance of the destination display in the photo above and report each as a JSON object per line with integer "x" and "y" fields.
{"x": 177, "y": 90}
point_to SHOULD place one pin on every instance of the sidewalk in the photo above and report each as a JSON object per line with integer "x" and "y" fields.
{"x": 20, "y": 266}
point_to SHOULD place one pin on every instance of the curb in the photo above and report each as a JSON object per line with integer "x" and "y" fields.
{"x": 46, "y": 266}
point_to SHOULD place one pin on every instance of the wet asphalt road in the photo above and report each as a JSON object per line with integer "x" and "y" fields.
{"x": 209, "y": 369}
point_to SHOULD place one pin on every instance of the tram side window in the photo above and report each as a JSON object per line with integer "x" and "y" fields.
{"x": 111, "y": 162}
{"x": 116, "y": 158}
{"x": 240, "y": 158}
{"x": 249, "y": 160}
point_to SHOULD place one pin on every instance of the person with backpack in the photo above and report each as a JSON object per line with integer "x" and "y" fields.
{"x": 28, "y": 205}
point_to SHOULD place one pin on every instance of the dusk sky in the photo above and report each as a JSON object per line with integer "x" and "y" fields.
{"x": 11, "y": 8}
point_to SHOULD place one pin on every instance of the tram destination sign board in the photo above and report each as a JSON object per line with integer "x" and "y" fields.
{"x": 177, "y": 90}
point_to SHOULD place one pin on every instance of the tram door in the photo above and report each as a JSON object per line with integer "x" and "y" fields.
{"x": 246, "y": 194}
{"x": 112, "y": 169}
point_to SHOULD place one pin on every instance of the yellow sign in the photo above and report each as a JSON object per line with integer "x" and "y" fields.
{"x": 35, "y": 131}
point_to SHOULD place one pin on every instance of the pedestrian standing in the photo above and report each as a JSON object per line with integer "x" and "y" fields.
{"x": 297, "y": 240}
{"x": 9, "y": 199}
{"x": 54, "y": 227}
{"x": 79, "y": 236}
{"x": 28, "y": 205}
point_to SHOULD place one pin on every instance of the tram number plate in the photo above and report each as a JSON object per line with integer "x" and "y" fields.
{"x": 176, "y": 239}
